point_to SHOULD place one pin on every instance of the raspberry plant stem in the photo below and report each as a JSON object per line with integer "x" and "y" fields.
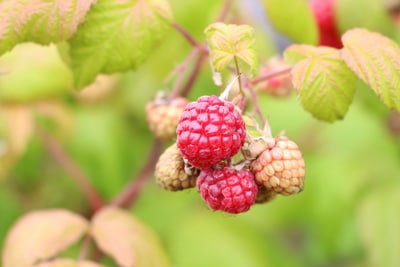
{"x": 127, "y": 197}
{"x": 193, "y": 75}
{"x": 185, "y": 35}
{"x": 225, "y": 10}
{"x": 87, "y": 241}
{"x": 256, "y": 103}
{"x": 180, "y": 70}
{"x": 239, "y": 74}
{"x": 75, "y": 172}
{"x": 270, "y": 75}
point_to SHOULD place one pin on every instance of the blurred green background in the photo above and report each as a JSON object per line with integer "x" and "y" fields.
{"x": 347, "y": 215}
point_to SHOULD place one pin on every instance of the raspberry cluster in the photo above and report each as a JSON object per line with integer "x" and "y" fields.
{"x": 210, "y": 132}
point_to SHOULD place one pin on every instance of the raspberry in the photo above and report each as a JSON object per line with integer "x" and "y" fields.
{"x": 210, "y": 130}
{"x": 163, "y": 116}
{"x": 324, "y": 13}
{"x": 280, "y": 85}
{"x": 170, "y": 171}
{"x": 227, "y": 189}
{"x": 280, "y": 168}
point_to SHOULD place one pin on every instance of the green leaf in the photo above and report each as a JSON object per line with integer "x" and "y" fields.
{"x": 39, "y": 235}
{"x": 379, "y": 225}
{"x": 294, "y": 19}
{"x": 375, "y": 59}
{"x": 44, "y": 74}
{"x": 374, "y": 15}
{"x": 326, "y": 85}
{"x": 68, "y": 263}
{"x": 126, "y": 239}
{"x": 117, "y": 36}
{"x": 39, "y": 21}
{"x": 227, "y": 42}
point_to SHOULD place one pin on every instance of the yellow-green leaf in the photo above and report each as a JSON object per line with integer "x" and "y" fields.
{"x": 325, "y": 84}
{"x": 123, "y": 237}
{"x": 40, "y": 21}
{"x": 227, "y": 41}
{"x": 40, "y": 235}
{"x": 117, "y": 36}
{"x": 375, "y": 59}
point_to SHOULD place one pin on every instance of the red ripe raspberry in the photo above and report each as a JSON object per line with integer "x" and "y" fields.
{"x": 210, "y": 130}
{"x": 280, "y": 168}
{"x": 227, "y": 189}
{"x": 324, "y": 13}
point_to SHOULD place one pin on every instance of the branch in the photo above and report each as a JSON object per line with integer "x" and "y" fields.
{"x": 270, "y": 75}
{"x": 225, "y": 10}
{"x": 131, "y": 192}
{"x": 185, "y": 35}
{"x": 193, "y": 75}
{"x": 180, "y": 70}
{"x": 255, "y": 101}
{"x": 75, "y": 172}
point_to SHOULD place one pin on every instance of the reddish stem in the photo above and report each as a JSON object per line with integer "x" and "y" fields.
{"x": 75, "y": 172}
{"x": 225, "y": 10}
{"x": 180, "y": 70}
{"x": 270, "y": 75}
{"x": 185, "y": 35}
{"x": 131, "y": 192}
{"x": 87, "y": 241}
{"x": 256, "y": 103}
{"x": 193, "y": 75}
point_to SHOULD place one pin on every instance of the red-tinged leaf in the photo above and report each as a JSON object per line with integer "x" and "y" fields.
{"x": 40, "y": 235}
{"x": 325, "y": 84}
{"x": 229, "y": 41}
{"x": 126, "y": 239}
{"x": 68, "y": 263}
{"x": 375, "y": 59}
{"x": 40, "y": 21}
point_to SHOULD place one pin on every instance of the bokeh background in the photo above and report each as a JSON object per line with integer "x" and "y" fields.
{"x": 347, "y": 215}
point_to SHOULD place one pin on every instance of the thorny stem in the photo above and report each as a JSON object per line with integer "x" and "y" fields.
{"x": 131, "y": 192}
{"x": 76, "y": 173}
{"x": 270, "y": 75}
{"x": 239, "y": 74}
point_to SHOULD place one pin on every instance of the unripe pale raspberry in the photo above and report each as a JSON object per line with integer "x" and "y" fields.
{"x": 210, "y": 130}
{"x": 227, "y": 189}
{"x": 280, "y": 168}
{"x": 163, "y": 116}
{"x": 170, "y": 173}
